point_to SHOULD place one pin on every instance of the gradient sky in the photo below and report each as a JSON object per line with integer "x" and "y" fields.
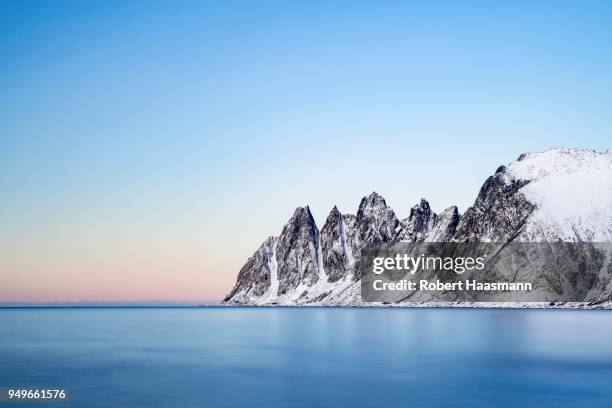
{"x": 148, "y": 148}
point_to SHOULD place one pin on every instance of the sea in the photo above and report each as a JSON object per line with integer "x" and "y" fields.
{"x": 308, "y": 357}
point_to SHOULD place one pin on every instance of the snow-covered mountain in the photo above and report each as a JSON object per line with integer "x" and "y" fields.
{"x": 556, "y": 195}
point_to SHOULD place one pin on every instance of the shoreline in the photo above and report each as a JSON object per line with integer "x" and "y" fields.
{"x": 407, "y": 305}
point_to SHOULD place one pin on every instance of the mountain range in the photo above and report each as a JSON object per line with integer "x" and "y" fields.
{"x": 562, "y": 194}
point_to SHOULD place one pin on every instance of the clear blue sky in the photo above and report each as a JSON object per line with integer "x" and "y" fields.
{"x": 147, "y": 148}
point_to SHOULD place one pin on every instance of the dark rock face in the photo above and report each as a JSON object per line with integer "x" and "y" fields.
{"x": 254, "y": 276}
{"x": 297, "y": 252}
{"x": 337, "y": 254}
{"x": 498, "y": 212}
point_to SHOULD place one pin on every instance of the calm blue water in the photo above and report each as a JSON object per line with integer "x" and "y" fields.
{"x": 237, "y": 357}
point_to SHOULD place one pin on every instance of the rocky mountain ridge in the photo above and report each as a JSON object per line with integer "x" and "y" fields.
{"x": 528, "y": 200}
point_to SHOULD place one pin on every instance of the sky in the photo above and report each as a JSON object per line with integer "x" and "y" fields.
{"x": 148, "y": 148}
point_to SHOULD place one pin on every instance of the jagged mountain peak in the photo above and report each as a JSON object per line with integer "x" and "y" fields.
{"x": 298, "y": 252}
{"x": 376, "y": 221}
{"x": 337, "y": 242}
{"x": 304, "y": 209}
{"x": 422, "y": 208}
{"x": 335, "y": 211}
{"x": 371, "y": 201}
{"x": 333, "y": 216}
{"x": 302, "y": 215}
{"x": 373, "y": 204}
{"x": 418, "y": 224}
